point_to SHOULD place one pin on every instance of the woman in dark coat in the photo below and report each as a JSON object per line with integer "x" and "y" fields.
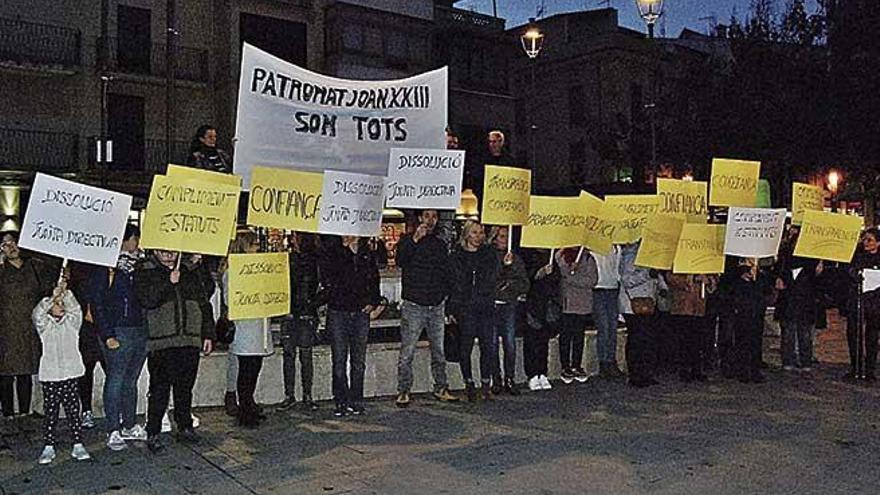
{"x": 866, "y": 257}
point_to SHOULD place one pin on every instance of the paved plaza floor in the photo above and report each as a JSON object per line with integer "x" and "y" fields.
{"x": 799, "y": 434}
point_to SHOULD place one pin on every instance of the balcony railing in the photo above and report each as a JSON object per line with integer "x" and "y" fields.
{"x": 141, "y": 155}
{"x": 466, "y": 19}
{"x": 150, "y": 60}
{"x": 30, "y": 151}
{"x": 31, "y": 44}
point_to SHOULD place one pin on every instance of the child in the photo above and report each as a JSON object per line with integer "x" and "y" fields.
{"x": 58, "y": 319}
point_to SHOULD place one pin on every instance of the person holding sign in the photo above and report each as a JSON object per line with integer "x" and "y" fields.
{"x": 351, "y": 277}
{"x": 640, "y": 289}
{"x": 579, "y": 276}
{"x": 23, "y": 281}
{"x": 174, "y": 300}
{"x": 512, "y": 286}
{"x": 250, "y": 345}
{"x": 475, "y": 273}
{"x": 868, "y": 257}
{"x": 800, "y": 297}
{"x": 495, "y": 154}
{"x": 424, "y": 261}
{"x": 743, "y": 316}
{"x": 687, "y": 312}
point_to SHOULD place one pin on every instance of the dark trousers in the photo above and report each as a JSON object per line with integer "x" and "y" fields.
{"x": 55, "y": 395}
{"x": 726, "y": 341}
{"x": 174, "y": 371}
{"x": 23, "y": 388}
{"x": 248, "y": 372}
{"x": 640, "y": 351}
{"x": 872, "y": 331}
{"x": 690, "y": 335}
{"x": 476, "y": 323}
{"x": 86, "y": 384}
{"x": 536, "y": 348}
{"x": 298, "y": 333}
{"x": 348, "y": 332}
{"x": 748, "y": 335}
{"x": 666, "y": 346}
{"x": 571, "y": 341}
{"x": 505, "y": 327}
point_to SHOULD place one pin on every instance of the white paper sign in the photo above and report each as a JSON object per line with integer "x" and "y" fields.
{"x": 75, "y": 221}
{"x": 291, "y": 117}
{"x": 754, "y": 232}
{"x": 423, "y": 178}
{"x": 351, "y": 204}
{"x": 871, "y": 280}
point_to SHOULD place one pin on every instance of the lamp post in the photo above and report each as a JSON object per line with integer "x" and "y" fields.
{"x": 650, "y": 11}
{"x": 532, "y": 42}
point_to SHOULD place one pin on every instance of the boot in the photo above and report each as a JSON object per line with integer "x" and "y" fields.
{"x": 510, "y": 387}
{"x": 497, "y": 384}
{"x": 230, "y": 404}
{"x": 486, "y": 392}
{"x": 308, "y": 403}
{"x": 471, "y": 391}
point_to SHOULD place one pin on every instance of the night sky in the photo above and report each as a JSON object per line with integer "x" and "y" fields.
{"x": 677, "y": 13}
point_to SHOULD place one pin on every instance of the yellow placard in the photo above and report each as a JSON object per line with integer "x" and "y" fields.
{"x": 805, "y": 197}
{"x": 684, "y": 197}
{"x": 506, "y": 193}
{"x": 259, "y": 285}
{"x": 189, "y": 215}
{"x": 600, "y": 225}
{"x": 828, "y": 236}
{"x": 554, "y": 222}
{"x": 633, "y": 211}
{"x": 285, "y": 199}
{"x": 183, "y": 173}
{"x": 659, "y": 241}
{"x": 700, "y": 249}
{"x": 734, "y": 183}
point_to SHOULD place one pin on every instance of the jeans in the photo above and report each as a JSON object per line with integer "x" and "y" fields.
{"x": 348, "y": 334}
{"x": 171, "y": 369}
{"x": 571, "y": 341}
{"x": 640, "y": 351}
{"x": 248, "y": 372}
{"x": 23, "y": 387}
{"x": 123, "y": 369}
{"x": 231, "y": 373}
{"x": 298, "y": 332}
{"x": 476, "y": 322}
{"x": 797, "y": 334}
{"x": 605, "y": 315}
{"x": 505, "y": 327}
{"x": 413, "y": 318}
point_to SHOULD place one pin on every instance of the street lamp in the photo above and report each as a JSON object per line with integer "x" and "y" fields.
{"x": 532, "y": 42}
{"x": 650, "y": 10}
{"x": 833, "y": 186}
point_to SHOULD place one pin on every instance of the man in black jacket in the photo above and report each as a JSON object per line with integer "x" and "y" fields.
{"x": 175, "y": 301}
{"x": 423, "y": 257}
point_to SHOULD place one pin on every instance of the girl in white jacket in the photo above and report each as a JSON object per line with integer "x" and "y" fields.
{"x": 58, "y": 319}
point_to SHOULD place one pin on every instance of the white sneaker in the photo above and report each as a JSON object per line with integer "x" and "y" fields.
{"x": 115, "y": 442}
{"x": 196, "y": 421}
{"x": 48, "y": 455}
{"x": 788, "y": 368}
{"x": 166, "y": 423}
{"x": 80, "y": 453}
{"x": 545, "y": 382}
{"x": 136, "y": 432}
{"x": 535, "y": 383}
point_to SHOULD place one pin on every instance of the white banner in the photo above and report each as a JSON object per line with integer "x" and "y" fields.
{"x": 75, "y": 221}
{"x": 290, "y": 117}
{"x": 753, "y": 232}
{"x": 426, "y": 179}
{"x": 351, "y": 204}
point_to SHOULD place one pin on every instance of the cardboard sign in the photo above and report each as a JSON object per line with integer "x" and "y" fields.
{"x": 754, "y": 232}
{"x": 75, "y": 221}
{"x": 660, "y": 241}
{"x": 633, "y": 211}
{"x": 599, "y": 226}
{"x": 734, "y": 183}
{"x": 828, "y": 236}
{"x": 183, "y": 173}
{"x": 351, "y": 204}
{"x": 506, "y": 191}
{"x": 285, "y": 199}
{"x": 189, "y": 215}
{"x": 424, "y": 179}
{"x": 683, "y": 197}
{"x": 290, "y": 117}
{"x": 700, "y": 249}
{"x": 554, "y": 222}
{"x": 805, "y": 197}
{"x": 259, "y": 285}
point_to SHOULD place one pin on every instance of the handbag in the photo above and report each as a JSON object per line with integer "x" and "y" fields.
{"x": 225, "y": 329}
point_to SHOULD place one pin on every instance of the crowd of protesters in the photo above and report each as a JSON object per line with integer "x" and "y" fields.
{"x": 167, "y": 309}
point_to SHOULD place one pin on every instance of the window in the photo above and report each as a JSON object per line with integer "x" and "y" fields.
{"x": 577, "y": 107}
{"x": 133, "y": 48}
{"x": 352, "y": 37}
{"x": 577, "y": 157}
